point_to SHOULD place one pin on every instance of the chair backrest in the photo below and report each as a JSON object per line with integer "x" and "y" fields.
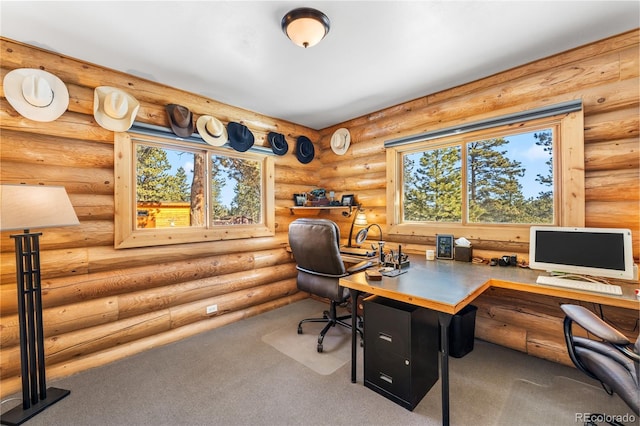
{"x": 316, "y": 247}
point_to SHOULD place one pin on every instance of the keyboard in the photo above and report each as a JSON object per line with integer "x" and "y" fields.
{"x": 580, "y": 285}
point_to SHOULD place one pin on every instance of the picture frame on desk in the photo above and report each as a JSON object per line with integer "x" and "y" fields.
{"x": 444, "y": 246}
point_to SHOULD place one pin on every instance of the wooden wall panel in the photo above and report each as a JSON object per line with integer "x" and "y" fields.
{"x": 103, "y": 304}
{"x": 604, "y": 76}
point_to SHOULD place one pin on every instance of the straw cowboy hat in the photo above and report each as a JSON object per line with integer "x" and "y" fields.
{"x": 180, "y": 119}
{"x": 340, "y": 141}
{"x": 304, "y": 150}
{"x": 36, "y": 94}
{"x": 212, "y": 130}
{"x": 278, "y": 143}
{"x": 114, "y": 109}
{"x": 240, "y": 137}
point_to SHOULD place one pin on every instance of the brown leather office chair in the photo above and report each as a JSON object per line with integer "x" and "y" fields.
{"x": 613, "y": 360}
{"x": 315, "y": 244}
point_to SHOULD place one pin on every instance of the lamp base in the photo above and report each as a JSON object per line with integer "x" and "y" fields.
{"x": 19, "y": 415}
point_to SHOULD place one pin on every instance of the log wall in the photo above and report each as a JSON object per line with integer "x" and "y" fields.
{"x": 103, "y": 304}
{"x": 605, "y": 75}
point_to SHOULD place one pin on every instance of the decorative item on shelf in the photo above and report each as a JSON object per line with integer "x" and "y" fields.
{"x": 299, "y": 200}
{"x": 444, "y": 246}
{"x": 26, "y": 207}
{"x": 348, "y": 200}
{"x": 318, "y": 197}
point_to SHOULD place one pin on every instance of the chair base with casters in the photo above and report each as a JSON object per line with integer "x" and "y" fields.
{"x": 332, "y": 319}
{"x": 613, "y": 361}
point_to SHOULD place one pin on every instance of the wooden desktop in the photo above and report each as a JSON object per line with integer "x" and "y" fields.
{"x": 447, "y": 286}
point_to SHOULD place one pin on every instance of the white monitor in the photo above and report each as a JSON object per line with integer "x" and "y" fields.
{"x": 600, "y": 252}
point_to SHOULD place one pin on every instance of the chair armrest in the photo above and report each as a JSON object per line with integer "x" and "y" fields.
{"x": 590, "y": 322}
{"x": 360, "y": 266}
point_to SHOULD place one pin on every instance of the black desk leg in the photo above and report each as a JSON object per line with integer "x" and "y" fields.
{"x": 444, "y": 319}
{"x": 354, "y": 331}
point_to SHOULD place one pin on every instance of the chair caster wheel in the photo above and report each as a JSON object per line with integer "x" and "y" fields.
{"x": 299, "y": 329}
{"x": 319, "y": 348}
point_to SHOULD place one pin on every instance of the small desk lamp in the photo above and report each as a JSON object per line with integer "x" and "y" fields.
{"x": 359, "y": 219}
{"x": 26, "y": 207}
{"x": 361, "y": 236}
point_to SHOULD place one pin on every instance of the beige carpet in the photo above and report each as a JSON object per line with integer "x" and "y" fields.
{"x": 303, "y": 347}
{"x": 564, "y": 401}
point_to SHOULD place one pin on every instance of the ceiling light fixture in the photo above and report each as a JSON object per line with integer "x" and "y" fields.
{"x": 305, "y": 26}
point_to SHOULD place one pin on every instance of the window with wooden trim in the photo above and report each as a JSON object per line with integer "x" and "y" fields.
{"x": 175, "y": 191}
{"x": 492, "y": 182}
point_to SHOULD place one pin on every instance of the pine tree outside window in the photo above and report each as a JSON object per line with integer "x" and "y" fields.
{"x": 173, "y": 192}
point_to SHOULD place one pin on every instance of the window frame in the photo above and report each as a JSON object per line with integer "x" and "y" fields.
{"x": 568, "y": 163}
{"x": 127, "y": 235}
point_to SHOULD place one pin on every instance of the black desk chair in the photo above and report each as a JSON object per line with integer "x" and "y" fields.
{"x": 315, "y": 245}
{"x": 613, "y": 361}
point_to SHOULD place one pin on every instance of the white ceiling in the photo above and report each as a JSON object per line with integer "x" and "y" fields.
{"x": 377, "y": 53}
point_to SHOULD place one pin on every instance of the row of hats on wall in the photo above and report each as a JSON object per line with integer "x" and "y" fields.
{"x": 41, "y": 96}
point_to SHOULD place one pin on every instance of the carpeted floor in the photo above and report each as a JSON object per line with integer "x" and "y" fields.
{"x": 231, "y": 376}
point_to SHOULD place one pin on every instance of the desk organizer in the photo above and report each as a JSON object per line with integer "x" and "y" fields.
{"x": 403, "y": 265}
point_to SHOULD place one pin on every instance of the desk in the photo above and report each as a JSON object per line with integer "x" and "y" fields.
{"x": 447, "y": 286}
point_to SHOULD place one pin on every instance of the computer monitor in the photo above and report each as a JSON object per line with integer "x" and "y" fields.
{"x": 600, "y": 252}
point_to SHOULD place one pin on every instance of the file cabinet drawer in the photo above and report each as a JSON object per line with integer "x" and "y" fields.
{"x": 400, "y": 351}
{"x": 391, "y": 373}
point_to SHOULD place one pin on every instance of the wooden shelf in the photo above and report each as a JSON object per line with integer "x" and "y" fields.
{"x": 315, "y": 210}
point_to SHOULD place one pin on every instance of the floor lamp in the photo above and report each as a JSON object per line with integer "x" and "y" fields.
{"x": 27, "y": 207}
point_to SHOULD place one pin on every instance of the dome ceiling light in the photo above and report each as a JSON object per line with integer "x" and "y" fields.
{"x": 305, "y": 26}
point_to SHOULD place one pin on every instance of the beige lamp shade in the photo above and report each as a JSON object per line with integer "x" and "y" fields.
{"x": 35, "y": 206}
{"x": 361, "y": 219}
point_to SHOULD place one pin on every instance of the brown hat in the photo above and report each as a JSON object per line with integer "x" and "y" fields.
{"x": 181, "y": 120}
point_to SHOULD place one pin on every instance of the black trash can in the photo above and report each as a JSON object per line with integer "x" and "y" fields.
{"x": 462, "y": 331}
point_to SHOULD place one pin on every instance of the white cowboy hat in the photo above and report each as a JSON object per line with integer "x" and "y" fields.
{"x": 114, "y": 109}
{"x": 36, "y": 94}
{"x": 340, "y": 141}
{"x": 212, "y": 130}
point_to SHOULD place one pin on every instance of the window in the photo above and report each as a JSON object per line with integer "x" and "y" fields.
{"x": 173, "y": 191}
{"x": 489, "y": 181}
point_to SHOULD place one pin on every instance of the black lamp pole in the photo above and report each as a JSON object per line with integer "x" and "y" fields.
{"x": 35, "y": 395}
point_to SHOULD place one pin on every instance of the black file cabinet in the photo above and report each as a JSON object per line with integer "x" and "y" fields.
{"x": 400, "y": 351}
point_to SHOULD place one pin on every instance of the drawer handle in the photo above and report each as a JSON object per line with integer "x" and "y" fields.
{"x": 386, "y": 378}
{"x": 385, "y": 337}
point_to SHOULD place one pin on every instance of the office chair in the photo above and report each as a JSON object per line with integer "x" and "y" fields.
{"x": 315, "y": 246}
{"x": 613, "y": 361}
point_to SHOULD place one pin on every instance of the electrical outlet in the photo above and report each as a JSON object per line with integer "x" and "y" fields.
{"x": 212, "y": 308}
